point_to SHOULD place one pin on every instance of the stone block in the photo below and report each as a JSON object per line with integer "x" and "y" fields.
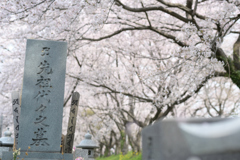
{"x": 42, "y": 101}
{"x": 39, "y": 156}
{"x": 42, "y": 96}
{"x": 2, "y": 149}
{"x": 192, "y": 139}
{"x": 82, "y": 153}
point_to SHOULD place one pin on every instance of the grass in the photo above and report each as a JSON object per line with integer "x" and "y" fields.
{"x": 128, "y": 156}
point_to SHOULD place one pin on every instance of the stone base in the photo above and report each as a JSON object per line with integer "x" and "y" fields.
{"x": 81, "y": 153}
{"x": 38, "y": 156}
{"x": 226, "y": 156}
{"x": 4, "y": 149}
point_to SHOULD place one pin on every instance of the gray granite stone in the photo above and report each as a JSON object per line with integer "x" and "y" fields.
{"x": 2, "y": 149}
{"x": 38, "y": 156}
{"x": 72, "y": 123}
{"x": 42, "y": 101}
{"x": 42, "y": 96}
{"x": 208, "y": 138}
{"x": 202, "y": 139}
{"x": 163, "y": 141}
{"x": 82, "y": 153}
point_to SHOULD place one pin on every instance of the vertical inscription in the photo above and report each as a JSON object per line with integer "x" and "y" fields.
{"x": 150, "y": 148}
{"x": 72, "y": 123}
{"x": 16, "y": 113}
{"x": 42, "y": 98}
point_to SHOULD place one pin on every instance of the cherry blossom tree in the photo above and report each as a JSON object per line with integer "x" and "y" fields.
{"x": 133, "y": 61}
{"x": 218, "y": 98}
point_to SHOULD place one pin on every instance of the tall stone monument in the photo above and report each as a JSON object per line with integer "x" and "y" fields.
{"x": 42, "y": 101}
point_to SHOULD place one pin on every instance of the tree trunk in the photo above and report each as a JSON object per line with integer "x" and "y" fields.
{"x": 124, "y": 147}
{"x": 107, "y": 151}
{"x": 100, "y": 149}
{"x": 118, "y": 148}
{"x": 231, "y": 66}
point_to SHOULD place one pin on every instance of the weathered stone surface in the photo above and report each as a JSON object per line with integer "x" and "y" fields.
{"x": 207, "y": 138}
{"x": 38, "y": 156}
{"x": 202, "y": 139}
{"x": 82, "y": 153}
{"x": 2, "y": 149}
{"x": 42, "y": 101}
{"x": 42, "y": 96}
{"x": 163, "y": 141}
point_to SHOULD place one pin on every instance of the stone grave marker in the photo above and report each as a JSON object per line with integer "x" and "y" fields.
{"x": 42, "y": 100}
{"x": 16, "y": 114}
{"x": 193, "y": 139}
{"x": 7, "y": 142}
{"x": 72, "y": 123}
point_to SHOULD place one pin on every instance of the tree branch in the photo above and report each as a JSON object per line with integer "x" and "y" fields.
{"x": 166, "y": 35}
{"x": 183, "y": 8}
{"x": 158, "y": 8}
{"x": 114, "y": 91}
{"x": 139, "y": 123}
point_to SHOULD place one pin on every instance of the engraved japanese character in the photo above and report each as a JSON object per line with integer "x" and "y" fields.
{"x": 72, "y": 120}
{"x": 45, "y": 51}
{"x": 41, "y": 108}
{"x": 17, "y": 127}
{"x": 40, "y": 120}
{"x": 43, "y": 94}
{"x": 70, "y": 128}
{"x": 74, "y": 102}
{"x": 16, "y": 135}
{"x": 73, "y": 110}
{"x": 44, "y": 82}
{"x": 40, "y": 140}
{"x": 16, "y": 110}
{"x": 69, "y": 139}
{"x": 150, "y": 148}
{"x": 17, "y": 119}
{"x": 45, "y": 68}
{"x": 15, "y": 101}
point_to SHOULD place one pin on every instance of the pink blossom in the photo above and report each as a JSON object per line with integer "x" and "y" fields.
{"x": 79, "y": 158}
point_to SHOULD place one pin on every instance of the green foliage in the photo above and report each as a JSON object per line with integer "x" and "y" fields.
{"x": 16, "y": 153}
{"x": 129, "y": 156}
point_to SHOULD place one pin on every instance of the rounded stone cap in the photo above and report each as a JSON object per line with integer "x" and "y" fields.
{"x": 7, "y": 133}
{"x": 88, "y": 136}
{"x": 7, "y": 140}
{"x": 87, "y": 143}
